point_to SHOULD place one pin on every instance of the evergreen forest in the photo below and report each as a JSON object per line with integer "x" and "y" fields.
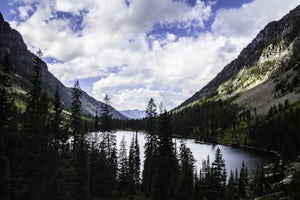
{"x": 48, "y": 153}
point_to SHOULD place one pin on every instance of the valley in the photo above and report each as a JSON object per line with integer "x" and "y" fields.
{"x": 58, "y": 142}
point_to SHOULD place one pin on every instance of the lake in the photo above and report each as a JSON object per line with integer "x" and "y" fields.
{"x": 233, "y": 156}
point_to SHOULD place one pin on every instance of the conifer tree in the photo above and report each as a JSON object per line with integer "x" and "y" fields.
{"x": 131, "y": 169}
{"x": 197, "y": 187}
{"x": 186, "y": 164}
{"x": 108, "y": 136}
{"x": 231, "y": 191}
{"x": 35, "y": 137}
{"x": 134, "y": 166}
{"x": 219, "y": 176}
{"x": 57, "y": 147}
{"x": 137, "y": 161}
{"x": 57, "y": 120}
{"x": 79, "y": 146}
{"x": 108, "y": 144}
{"x": 242, "y": 181}
{"x": 76, "y": 122}
{"x": 123, "y": 179}
{"x": 166, "y": 175}
{"x": 150, "y": 148}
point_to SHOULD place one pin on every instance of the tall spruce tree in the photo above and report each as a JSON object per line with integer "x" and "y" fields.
{"x": 231, "y": 190}
{"x": 219, "y": 176}
{"x": 76, "y": 122}
{"x": 79, "y": 146}
{"x": 137, "y": 161}
{"x": 186, "y": 177}
{"x": 166, "y": 174}
{"x": 108, "y": 136}
{"x": 57, "y": 147}
{"x": 150, "y": 148}
{"x": 35, "y": 138}
{"x": 108, "y": 143}
{"x": 131, "y": 169}
{"x": 134, "y": 166}
{"x": 123, "y": 174}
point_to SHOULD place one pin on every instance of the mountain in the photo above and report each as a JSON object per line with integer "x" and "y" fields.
{"x": 134, "y": 114}
{"x": 14, "y": 51}
{"x": 266, "y": 72}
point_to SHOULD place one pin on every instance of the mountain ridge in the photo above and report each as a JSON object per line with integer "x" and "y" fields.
{"x": 286, "y": 29}
{"x": 13, "y": 48}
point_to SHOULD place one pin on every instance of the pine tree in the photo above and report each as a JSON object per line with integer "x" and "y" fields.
{"x": 123, "y": 180}
{"x": 186, "y": 182}
{"x": 79, "y": 146}
{"x": 231, "y": 191}
{"x": 242, "y": 181}
{"x": 219, "y": 176}
{"x": 134, "y": 166}
{"x": 150, "y": 149}
{"x": 57, "y": 147}
{"x": 108, "y": 136}
{"x": 76, "y": 122}
{"x": 137, "y": 162}
{"x": 35, "y": 138}
{"x": 107, "y": 177}
{"x": 151, "y": 114}
{"x": 131, "y": 169}
{"x": 57, "y": 120}
{"x": 197, "y": 187}
{"x": 166, "y": 175}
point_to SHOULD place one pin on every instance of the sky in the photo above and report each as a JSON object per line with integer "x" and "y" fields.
{"x": 133, "y": 50}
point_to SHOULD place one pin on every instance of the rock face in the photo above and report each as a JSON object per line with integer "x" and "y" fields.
{"x": 13, "y": 47}
{"x": 277, "y": 43}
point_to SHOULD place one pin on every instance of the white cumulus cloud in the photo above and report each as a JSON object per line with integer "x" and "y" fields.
{"x": 112, "y": 42}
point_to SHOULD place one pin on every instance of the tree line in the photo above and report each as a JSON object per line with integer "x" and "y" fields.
{"x": 46, "y": 154}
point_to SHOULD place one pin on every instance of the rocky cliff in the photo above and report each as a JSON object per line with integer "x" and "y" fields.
{"x": 21, "y": 59}
{"x": 267, "y": 60}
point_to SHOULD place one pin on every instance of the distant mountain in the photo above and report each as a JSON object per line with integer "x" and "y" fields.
{"x": 13, "y": 47}
{"x": 266, "y": 72}
{"x": 134, "y": 114}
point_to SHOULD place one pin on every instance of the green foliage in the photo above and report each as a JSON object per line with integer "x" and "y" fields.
{"x": 205, "y": 121}
{"x": 76, "y": 122}
{"x": 166, "y": 165}
{"x": 150, "y": 149}
{"x": 186, "y": 174}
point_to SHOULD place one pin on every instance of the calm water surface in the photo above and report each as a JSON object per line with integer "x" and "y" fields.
{"x": 234, "y": 156}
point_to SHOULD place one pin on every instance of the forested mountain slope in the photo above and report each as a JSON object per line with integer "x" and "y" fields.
{"x": 14, "y": 51}
{"x": 254, "y": 100}
{"x": 266, "y": 72}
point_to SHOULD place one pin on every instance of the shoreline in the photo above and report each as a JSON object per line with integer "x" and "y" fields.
{"x": 278, "y": 155}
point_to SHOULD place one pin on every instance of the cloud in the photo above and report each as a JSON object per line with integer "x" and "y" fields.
{"x": 113, "y": 42}
{"x": 251, "y": 17}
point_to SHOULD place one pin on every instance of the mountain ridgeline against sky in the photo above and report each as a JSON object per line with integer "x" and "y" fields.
{"x": 13, "y": 48}
{"x": 269, "y": 60}
{"x": 134, "y": 114}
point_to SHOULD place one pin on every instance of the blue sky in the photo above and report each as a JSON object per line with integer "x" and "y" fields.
{"x": 133, "y": 50}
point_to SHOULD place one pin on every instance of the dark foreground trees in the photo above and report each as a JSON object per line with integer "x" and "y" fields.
{"x": 47, "y": 154}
